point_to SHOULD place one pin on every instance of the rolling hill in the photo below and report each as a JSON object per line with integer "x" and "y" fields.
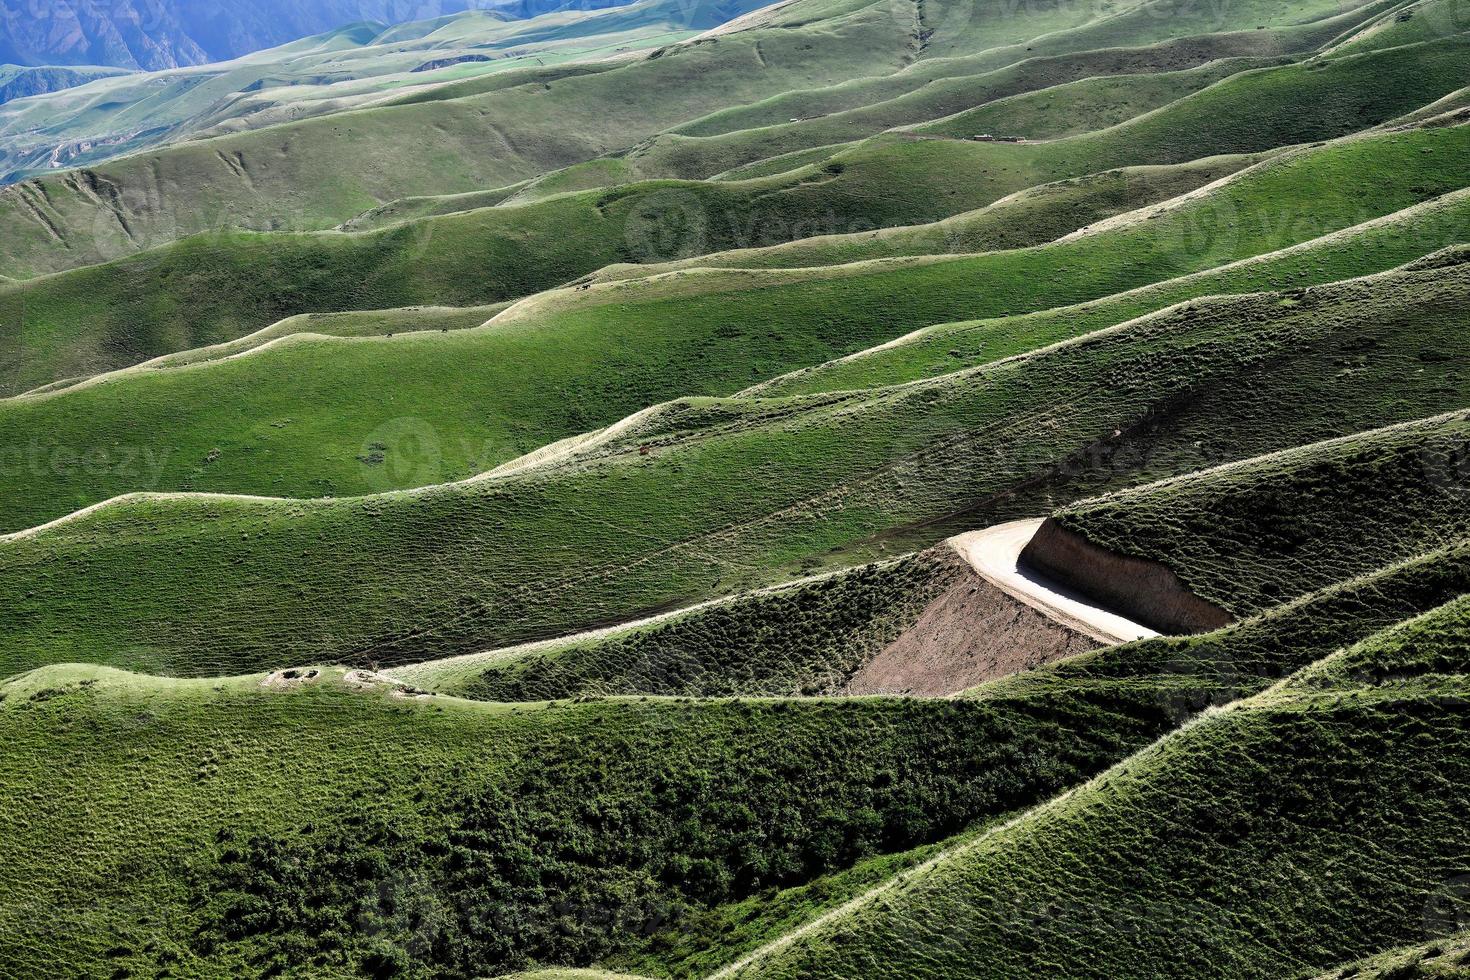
{"x": 352, "y": 67}
{"x": 670, "y": 336}
{"x": 269, "y": 181}
{"x": 844, "y": 473}
{"x": 844, "y": 488}
{"x": 170, "y": 33}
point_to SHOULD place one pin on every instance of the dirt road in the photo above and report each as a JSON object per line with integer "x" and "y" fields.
{"x": 994, "y": 553}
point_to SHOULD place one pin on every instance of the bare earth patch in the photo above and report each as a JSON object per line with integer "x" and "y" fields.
{"x": 971, "y": 634}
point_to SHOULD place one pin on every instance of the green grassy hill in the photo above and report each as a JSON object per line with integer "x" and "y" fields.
{"x": 937, "y": 350}
{"x": 111, "y": 315}
{"x": 301, "y": 169}
{"x": 345, "y": 69}
{"x": 306, "y": 417}
{"x": 488, "y": 807}
{"x": 697, "y": 808}
{"x": 546, "y": 549}
{"x": 1183, "y": 27}
{"x": 513, "y": 518}
{"x": 1257, "y": 533}
{"x": 803, "y": 639}
{"x": 1044, "y": 98}
{"x": 318, "y": 172}
{"x": 1262, "y": 809}
{"x": 1033, "y": 216}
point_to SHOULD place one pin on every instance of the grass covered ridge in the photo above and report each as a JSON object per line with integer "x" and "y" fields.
{"x": 228, "y": 283}
{"x": 546, "y": 550}
{"x": 1260, "y": 808}
{"x": 1261, "y": 532}
{"x": 499, "y": 836}
{"x": 807, "y": 638}
{"x": 306, "y": 417}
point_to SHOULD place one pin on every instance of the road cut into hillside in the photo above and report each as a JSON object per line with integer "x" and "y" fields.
{"x": 995, "y": 554}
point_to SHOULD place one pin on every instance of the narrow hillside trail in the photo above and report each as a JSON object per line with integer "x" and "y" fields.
{"x": 995, "y": 554}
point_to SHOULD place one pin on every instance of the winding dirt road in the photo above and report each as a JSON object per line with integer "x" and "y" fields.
{"x": 995, "y": 554}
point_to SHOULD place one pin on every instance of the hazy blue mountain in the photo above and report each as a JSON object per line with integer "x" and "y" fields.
{"x": 158, "y": 34}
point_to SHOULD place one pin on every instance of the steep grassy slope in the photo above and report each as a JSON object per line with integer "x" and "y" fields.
{"x": 687, "y": 154}
{"x": 275, "y": 179}
{"x": 707, "y": 940}
{"x": 1247, "y": 112}
{"x": 1413, "y": 23}
{"x": 256, "y": 910}
{"x": 459, "y": 406}
{"x": 302, "y": 851}
{"x": 1299, "y": 29}
{"x": 357, "y": 323}
{"x": 1263, "y": 810}
{"x": 662, "y": 511}
{"x": 497, "y": 836}
{"x": 806, "y": 638}
{"x": 302, "y": 174}
{"x": 942, "y": 349}
{"x": 1256, "y": 533}
{"x": 1049, "y": 112}
{"x": 1029, "y": 217}
{"x": 169, "y": 299}
{"x": 1447, "y": 958}
{"x": 1087, "y": 105}
{"x": 1192, "y": 673}
{"x": 1043, "y": 98}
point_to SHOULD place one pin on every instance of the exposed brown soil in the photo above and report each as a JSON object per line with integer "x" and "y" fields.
{"x": 970, "y": 634}
{"x": 1143, "y": 590}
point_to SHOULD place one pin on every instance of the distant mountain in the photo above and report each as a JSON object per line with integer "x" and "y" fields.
{"x": 159, "y": 34}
